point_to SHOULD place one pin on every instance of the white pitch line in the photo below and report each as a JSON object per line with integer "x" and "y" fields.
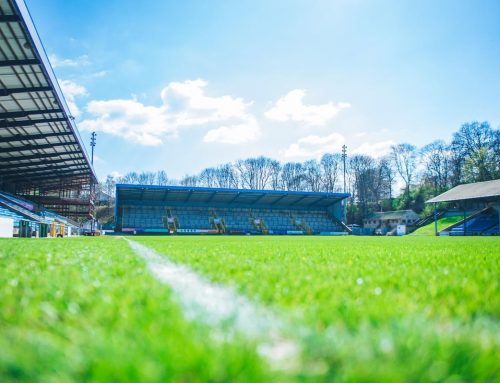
{"x": 221, "y": 307}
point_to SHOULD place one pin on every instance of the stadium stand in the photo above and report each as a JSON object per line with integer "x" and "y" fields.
{"x": 31, "y": 220}
{"x": 483, "y": 195}
{"x": 42, "y": 158}
{"x": 477, "y": 224}
{"x": 191, "y": 210}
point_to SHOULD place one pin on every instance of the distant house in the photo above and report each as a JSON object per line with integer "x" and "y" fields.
{"x": 387, "y": 221}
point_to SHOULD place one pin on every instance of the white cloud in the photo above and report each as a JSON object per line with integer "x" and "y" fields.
{"x": 130, "y": 120}
{"x": 185, "y": 105}
{"x": 377, "y": 149}
{"x": 116, "y": 174}
{"x": 291, "y": 107}
{"x": 235, "y": 134}
{"x": 71, "y": 90}
{"x": 314, "y": 146}
{"x": 57, "y": 62}
{"x": 99, "y": 74}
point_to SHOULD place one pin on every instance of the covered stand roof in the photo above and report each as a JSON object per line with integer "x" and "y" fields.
{"x": 386, "y": 215}
{"x": 39, "y": 142}
{"x": 487, "y": 190}
{"x": 247, "y": 197}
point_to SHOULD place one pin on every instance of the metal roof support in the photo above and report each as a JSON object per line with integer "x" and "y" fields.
{"x": 8, "y": 92}
{"x": 6, "y": 63}
{"x": 35, "y": 147}
{"x": 318, "y": 201}
{"x": 44, "y": 163}
{"x": 279, "y": 199}
{"x": 17, "y": 123}
{"x": 435, "y": 220}
{"x": 28, "y": 137}
{"x": 61, "y": 174}
{"x": 9, "y": 18}
{"x": 26, "y": 113}
{"x": 259, "y": 198}
{"x": 300, "y": 199}
{"x": 235, "y": 197}
{"x": 47, "y": 169}
{"x": 164, "y": 197}
{"x": 211, "y": 197}
{"x": 188, "y": 196}
{"x": 39, "y": 156}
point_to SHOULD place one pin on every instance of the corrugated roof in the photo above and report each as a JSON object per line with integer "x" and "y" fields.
{"x": 204, "y": 195}
{"x": 396, "y": 214}
{"x": 477, "y": 190}
{"x": 39, "y": 142}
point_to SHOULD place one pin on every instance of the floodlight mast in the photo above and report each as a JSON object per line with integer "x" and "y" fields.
{"x": 92, "y": 186}
{"x": 344, "y": 156}
{"x": 92, "y": 145}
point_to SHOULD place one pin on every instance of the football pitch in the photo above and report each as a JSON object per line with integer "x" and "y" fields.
{"x": 202, "y": 309}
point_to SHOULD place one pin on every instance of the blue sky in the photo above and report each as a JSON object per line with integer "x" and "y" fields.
{"x": 182, "y": 85}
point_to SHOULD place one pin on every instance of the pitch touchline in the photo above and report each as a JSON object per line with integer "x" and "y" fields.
{"x": 223, "y": 308}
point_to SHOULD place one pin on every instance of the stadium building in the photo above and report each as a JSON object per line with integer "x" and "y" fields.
{"x": 479, "y": 205}
{"x": 46, "y": 178}
{"x": 198, "y": 210}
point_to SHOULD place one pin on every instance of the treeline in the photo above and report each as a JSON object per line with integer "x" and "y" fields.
{"x": 402, "y": 179}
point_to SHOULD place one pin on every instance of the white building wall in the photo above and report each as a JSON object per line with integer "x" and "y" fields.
{"x": 6, "y": 227}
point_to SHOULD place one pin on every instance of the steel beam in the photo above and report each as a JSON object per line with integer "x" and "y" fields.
{"x": 28, "y": 137}
{"x": 47, "y": 169}
{"x": 300, "y": 199}
{"x": 51, "y": 175}
{"x": 19, "y": 62}
{"x": 25, "y": 113}
{"x": 9, "y": 18}
{"x": 8, "y": 92}
{"x": 15, "y": 124}
{"x": 279, "y": 199}
{"x": 35, "y": 147}
{"x": 40, "y": 156}
{"x": 42, "y": 162}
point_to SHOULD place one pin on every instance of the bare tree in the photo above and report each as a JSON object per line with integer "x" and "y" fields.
{"x": 436, "y": 158}
{"x": 256, "y": 173}
{"x": 226, "y": 176}
{"x": 361, "y": 167}
{"x": 312, "y": 175}
{"x": 161, "y": 178}
{"x": 188, "y": 180}
{"x": 109, "y": 189}
{"x": 330, "y": 166}
{"x": 208, "y": 177}
{"x": 404, "y": 157}
{"x": 275, "y": 178}
{"x": 292, "y": 175}
{"x": 388, "y": 174}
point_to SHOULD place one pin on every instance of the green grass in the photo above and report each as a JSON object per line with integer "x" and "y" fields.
{"x": 442, "y": 224}
{"x": 87, "y": 310}
{"x": 365, "y": 309}
{"x": 379, "y": 309}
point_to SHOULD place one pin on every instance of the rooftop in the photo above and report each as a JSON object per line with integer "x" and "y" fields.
{"x": 395, "y": 214}
{"x": 39, "y": 141}
{"x": 204, "y": 195}
{"x": 487, "y": 190}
